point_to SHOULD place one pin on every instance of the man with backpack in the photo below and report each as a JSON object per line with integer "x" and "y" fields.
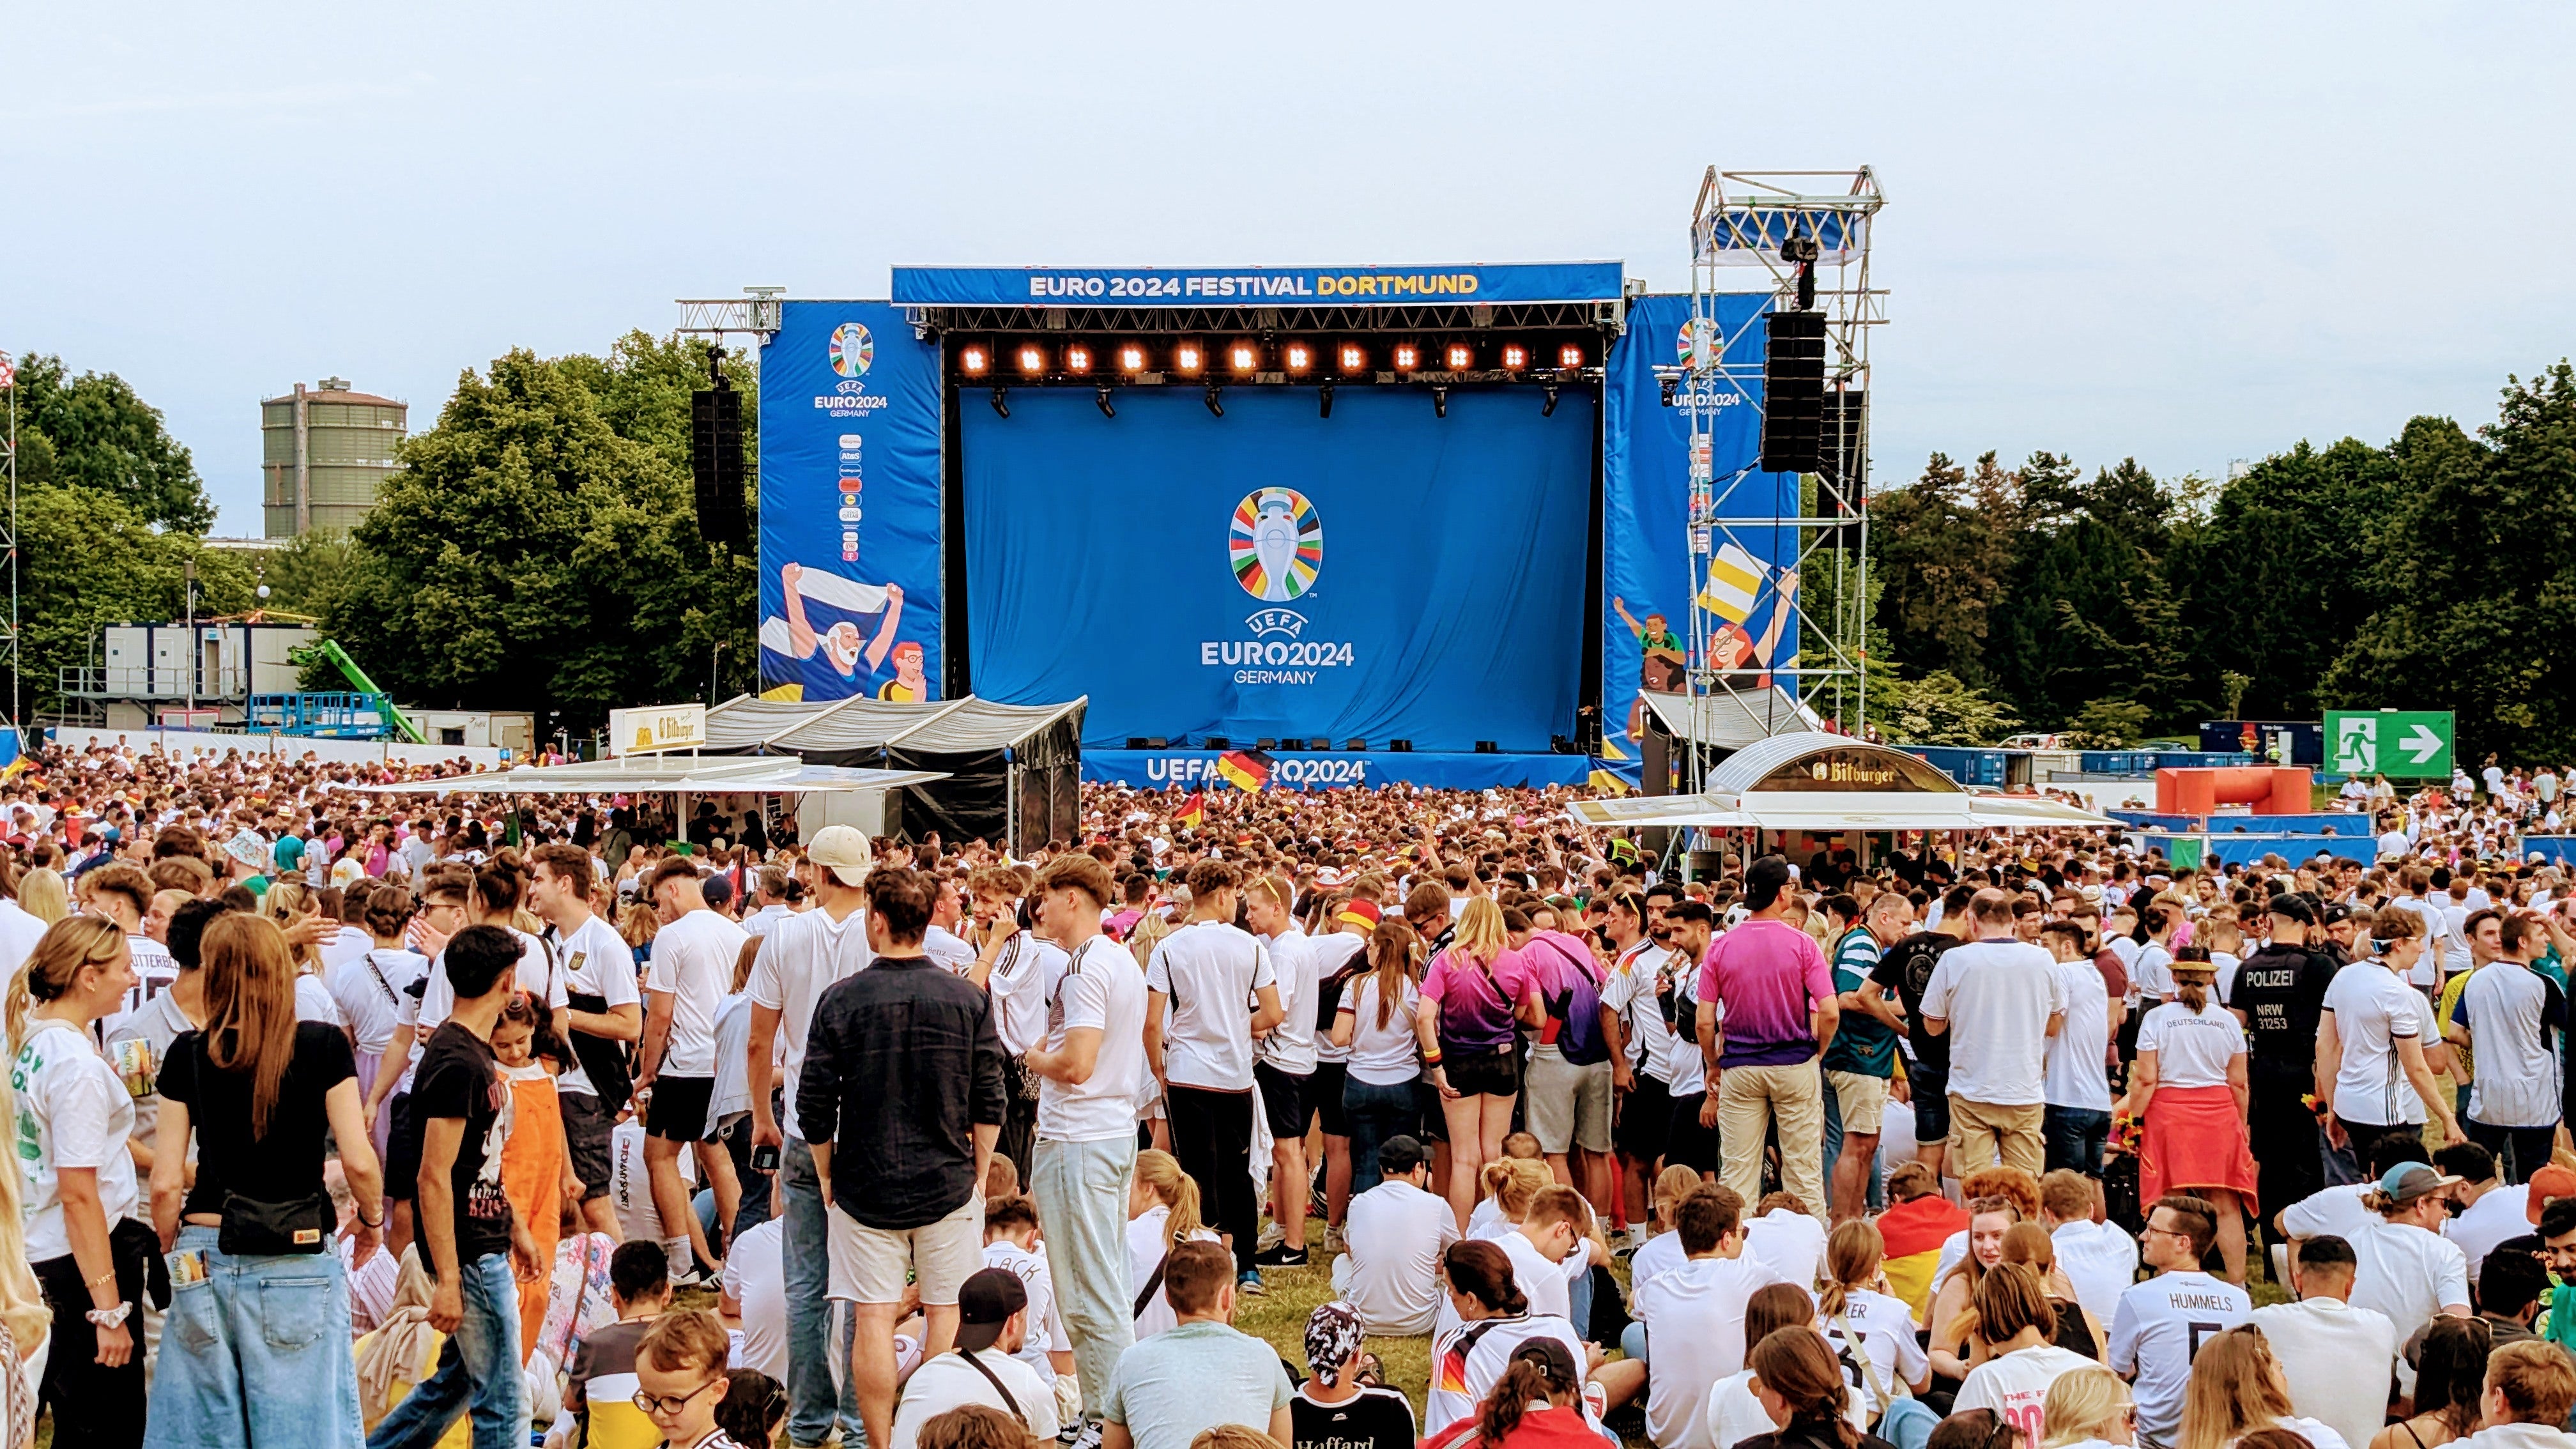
{"x": 1862, "y": 1058}
{"x": 1568, "y": 1086}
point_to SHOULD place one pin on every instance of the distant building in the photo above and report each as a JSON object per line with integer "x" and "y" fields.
{"x": 325, "y": 453}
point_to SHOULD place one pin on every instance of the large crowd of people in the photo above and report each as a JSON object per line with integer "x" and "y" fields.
{"x": 398, "y": 1116}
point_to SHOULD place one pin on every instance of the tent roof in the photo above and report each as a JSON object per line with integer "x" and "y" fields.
{"x": 1812, "y": 780}
{"x": 641, "y": 774}
{"x": 1729, "y": 721}
{"x": 953, "y": 726}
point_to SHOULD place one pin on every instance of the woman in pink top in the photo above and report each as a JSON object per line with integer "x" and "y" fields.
{"x": 1475, "y": 990}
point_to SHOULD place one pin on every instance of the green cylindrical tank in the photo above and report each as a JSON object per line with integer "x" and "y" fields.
{"x": 325, "y": 451}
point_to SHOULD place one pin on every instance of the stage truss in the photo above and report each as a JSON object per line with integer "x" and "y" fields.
{"x": 1739, "y": 225}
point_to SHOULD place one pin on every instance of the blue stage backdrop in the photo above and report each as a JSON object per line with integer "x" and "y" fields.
{"x": 1380, "y": 574}
{"x": 1316, "y": 770}
{"x": 849, "y": 505}
{"x": 1645, "y": 513}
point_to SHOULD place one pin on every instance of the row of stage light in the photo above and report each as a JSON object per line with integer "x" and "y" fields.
{"x": 1548, "y": 362}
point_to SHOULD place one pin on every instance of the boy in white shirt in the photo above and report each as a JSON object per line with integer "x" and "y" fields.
{"x": 1011, "y": 1242}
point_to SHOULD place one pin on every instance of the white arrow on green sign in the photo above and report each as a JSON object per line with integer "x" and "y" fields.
{"x": 2412, "y": 744}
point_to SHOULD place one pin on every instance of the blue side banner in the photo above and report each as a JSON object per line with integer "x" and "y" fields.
{"x": 1385, "y": 573}
{"x": 1646, "y": 567}
{"x": 849, "y": 505}
{"x": 1227, "y": 286}
{"x": 1196, "y": 769}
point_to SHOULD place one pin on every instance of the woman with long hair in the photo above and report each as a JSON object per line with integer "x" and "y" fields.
{"x": 2078, "y": 1331}
{"x": 1863, "y": 1320}
{"x": 2450, "y": 1377}
{"x": 1536, "y": 1403}
{"x": 1734, "y": 1411}
{"x": 1375, "y": 1022}
{"x": 88, "y": 1248}
{"x": 2190, "y": 1089}
{"x": 1494, "y": 1318}
{"x": 2237, "y": 1388}
{"x": 2089, "y": 1409}
{"x": 42, "y": 894}
{"x": 291, "y": 906}
{"x": 1801, "y": 1387}
{"x": 1953, "y": 1310}
{"x": 1162, "y": 1213}
{"x": 2015, "y": 1323}
{"x": 1471, "y": 997}
{"x": 255, "y": 1352}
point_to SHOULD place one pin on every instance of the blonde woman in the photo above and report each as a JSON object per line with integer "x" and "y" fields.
{"x": 295, "y": 912}
{"x": 2089, "y": 1409}
{"x": 1162, "y": 1213}
{"x": 2236, "y": 1388}
{"x": 1474, "y": 992}
{"x": 26, "y": 1323}
{"x": 83, "y": 1238}
{"x": 42, "y": 894}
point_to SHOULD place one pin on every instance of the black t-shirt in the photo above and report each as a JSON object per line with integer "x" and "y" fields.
{"x": 2282, "y": 991}
{"x": 1376, "y": 1419}
{"x": 285, "y": 1165}
{"x": 1906, "y": 969}
{"x": 459, "y": 1077}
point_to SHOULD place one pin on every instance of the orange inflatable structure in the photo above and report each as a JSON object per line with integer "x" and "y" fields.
{"x": 2270, "y": 789}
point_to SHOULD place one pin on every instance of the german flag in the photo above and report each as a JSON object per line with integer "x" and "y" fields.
{"x": 1914, "y": 1232}
{"x": 1244, "y": 769}
{"x": 1193, "y": 811}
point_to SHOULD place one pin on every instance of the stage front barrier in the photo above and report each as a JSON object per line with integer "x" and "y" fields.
{"x": 1328, "y": 770}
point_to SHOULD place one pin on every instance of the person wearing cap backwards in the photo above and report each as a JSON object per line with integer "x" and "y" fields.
{"x": 2404, "y": 1267}
{"x": 992, "y": 1323}
{"x": 2279, "y": 992}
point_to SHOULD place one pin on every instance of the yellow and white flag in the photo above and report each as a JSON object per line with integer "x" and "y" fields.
{"x": 1734, "y": 579}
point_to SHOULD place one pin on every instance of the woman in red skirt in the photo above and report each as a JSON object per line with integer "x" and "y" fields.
{"x": 2189, "y": 1091}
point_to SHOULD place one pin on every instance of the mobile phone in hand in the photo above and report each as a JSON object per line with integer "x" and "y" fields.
{"x": 764, "y": 1159}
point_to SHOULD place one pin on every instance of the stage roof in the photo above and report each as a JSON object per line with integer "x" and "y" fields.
{"x": 665, "y": 774}
{"x": 1812, "y": 780}
{"x": 1451, "y": 283}
{"x": 1728, "y": 721}
{"x": 954, "y": 726}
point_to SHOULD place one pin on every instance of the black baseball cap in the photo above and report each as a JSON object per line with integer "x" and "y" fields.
{"x": 1400, "y": 1154}
{"x": 986, "y": 1301}
{"x": 2290, "y": 907}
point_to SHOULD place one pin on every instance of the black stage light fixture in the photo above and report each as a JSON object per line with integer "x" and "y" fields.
{"x": 974, "y": 359}
{"x": 1488, "y": 747}
{"x": 1325, "y": 400}
{"x": 1354, "y": 357}
{"x": 1131, "y": 358}
{"x": 1793, "y": 391}
{"x": 1407, "y": 357}
{"x": 1461, "y": 357}
{"x": 1515, "y": 357}
{"x": 1032, "y": 359}
{"x": 1214, "y": 405}
{"x": 1548, "y": 410}
{"x": 1401, "y": 747}
{"x": 1219, "y": 742}
{"x": 1298, "y": 356}
{"x": 1001, "y": 400}
{"x": 1440, "y": 401}
{"x": 1569, "y": 357}
{"x": 1077, "y": 359}
{"x": 1355, "y": 744}
{"x": 1100, "y": 395}
{"x": 1188, "y": 358}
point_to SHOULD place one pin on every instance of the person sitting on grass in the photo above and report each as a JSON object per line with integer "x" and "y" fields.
{"x": 603, "y": 1368}
{"x": 681, "y": 1380}
{"x": 1336, "y": 1408}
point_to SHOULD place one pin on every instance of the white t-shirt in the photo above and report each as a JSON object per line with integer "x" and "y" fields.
{"x": 759, "y": 922}
{"x": 1396, "y": 1234}
{"x": 949, "y": 1381}
{"x": 72, "y": 1112}
{"x": 1694, "y": 1318}
{"x": 755, "y": 1276}
{"x": 1462, "y": 1377}
{"x": 1689, "y": 1069}
{"x": 2015, "y": 1385}
{"x": 1882, "y": 1329}
{"x": 945, "y": 948}
{"x": 1735, "y": 1414}
{"x": 630, "y": 1187}
{"x": 2075, "y": 1076}
{"x": 1290, "y": 1047}
{"x": 1630, "y": 992}
{"x": 1790, "y": 1244}
{"x": 2504, "y": 1212}
{"x": 1019, "y": 987}
{"x": 1661, "y": 1254}
{"x": 2100, "y": 1260}
{"x": 2506, "y": 1006}
{"x": 1148, "y": 1238}
{"x": 1383, "y": 1053}
{"x": 693, "y": 961}
{"x": 1038, "y": 1281}
{"x": 154, "y": 970}
{"x": 1207, "y": 1035}
{"x": 800, "y": 957}
{"x": 1334, "y": 953}
{"x": 1997, "y": 997}
{"x": 350, "y": 944}
{"x": 2192, "y": 1049}
{"x": 2409, "y": 1274}
{"x": 2336, "y": 1359}
{"x": 313, "y": 1002}
{"x": 2151, "y": 973}
{"x": 596, "y": 961}
{"x": 2155, "y": 1331}
{"x": 2330, "y": 1212}
{"x": 2373, "y": 1011}
{"x": 1097, "y": 986}
{"x": 536, "y": 974}
{"x": 1542, "y": 1279}
{"x": 372, "y": 987}
{"x": 19, "y": 933}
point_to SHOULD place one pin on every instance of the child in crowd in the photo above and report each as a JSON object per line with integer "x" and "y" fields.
{"x": 535, "y": 1160}
{"x": 600, "y": 1391}
{"x": 681, "y": 1381}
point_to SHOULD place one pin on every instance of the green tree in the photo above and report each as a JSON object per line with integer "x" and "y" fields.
{"x": 93, "y": 432}
{"x": 2087, "y": 602}
{"x": 1939, "y": 549}
{"x": 2108, "y": 724}
{"x": 87, "y": 559}
{"x": 540, "y": 548}
{"x": 308, "y": 575}
{"x": 1939, "y": 710}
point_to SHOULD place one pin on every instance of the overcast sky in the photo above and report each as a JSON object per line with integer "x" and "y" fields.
{"x": 2184, "y": 232}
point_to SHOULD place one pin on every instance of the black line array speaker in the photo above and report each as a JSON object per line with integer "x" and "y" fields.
{"x": 1841, "y": 463}
{"x": 715, "y": 464}
{"x": 1793, "y": 391}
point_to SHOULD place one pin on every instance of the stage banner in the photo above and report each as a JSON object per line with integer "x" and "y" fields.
{"x": 1383, "y": 573}
{"x": 849, "y": 505}
{"x": 1646, "y": 566}
{"x": 1369, "y": 286}
{"x": 1337, "y": 770}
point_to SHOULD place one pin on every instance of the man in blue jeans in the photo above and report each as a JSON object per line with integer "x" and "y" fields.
{"x": 472, "y": 1239}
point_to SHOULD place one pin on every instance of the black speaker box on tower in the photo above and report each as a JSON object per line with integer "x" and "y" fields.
{"x": 715, "y": 464}
{"x": 1793, "y": 391}
{"x": 1842, "y": 467}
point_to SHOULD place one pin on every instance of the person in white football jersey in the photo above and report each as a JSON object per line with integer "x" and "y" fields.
{"x": 2162, "y": 1322}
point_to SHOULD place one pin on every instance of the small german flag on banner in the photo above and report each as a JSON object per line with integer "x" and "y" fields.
{"x": 1244, "y": 769}
{"x": 1193, "y": 811}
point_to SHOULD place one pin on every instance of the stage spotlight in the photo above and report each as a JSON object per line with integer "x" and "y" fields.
{"x": 1327, "y": 400}
{"x": 1100, "y": 395}
{"x": 1001, "y": 401}
{"x": 972, "y": 360}
{"x": 1549, "y": 409}
{"x": 1407, "y": 357}
{"x": 1569, "y": 356}
{"x": 1187, "y": 359}
{"x": 1032, "y": 360}
{"x": 1668, "y": 386}
{"x": 1300, "y": 357}
{"x": 1515, "y": 356}
{"x": 1243, "y": 357}
{"x": 1354, "y": 358}
{"x": 1077, "y": 359}
{"x": 1461, "y": 357}
{"x": 1131, "y": 358}
{"x": 1215, "y": 405}
{"x": 1440, "y": 402}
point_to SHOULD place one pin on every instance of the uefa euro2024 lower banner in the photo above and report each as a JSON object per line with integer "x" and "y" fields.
{"x": 1385, "y": 573}
{"x": 849, "y": 505}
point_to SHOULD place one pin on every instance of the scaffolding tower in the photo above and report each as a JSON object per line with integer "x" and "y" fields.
{"x": 1804, "y": 237}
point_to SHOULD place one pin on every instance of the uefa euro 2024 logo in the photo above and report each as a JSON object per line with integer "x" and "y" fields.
{"x": 1276, "y": 544}
{"x": 852, "y": 349}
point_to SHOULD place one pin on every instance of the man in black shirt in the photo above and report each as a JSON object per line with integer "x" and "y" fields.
{"x": 471, "y": 1238}
{"x": 1905, "y": 970}
{"x": 901, "y": 1099}
{"x": 2280, "y": 992}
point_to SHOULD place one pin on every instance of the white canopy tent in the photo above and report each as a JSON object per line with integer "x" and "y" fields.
{"x": 666, "y": 774}
{"x": 1815, "y": 781}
